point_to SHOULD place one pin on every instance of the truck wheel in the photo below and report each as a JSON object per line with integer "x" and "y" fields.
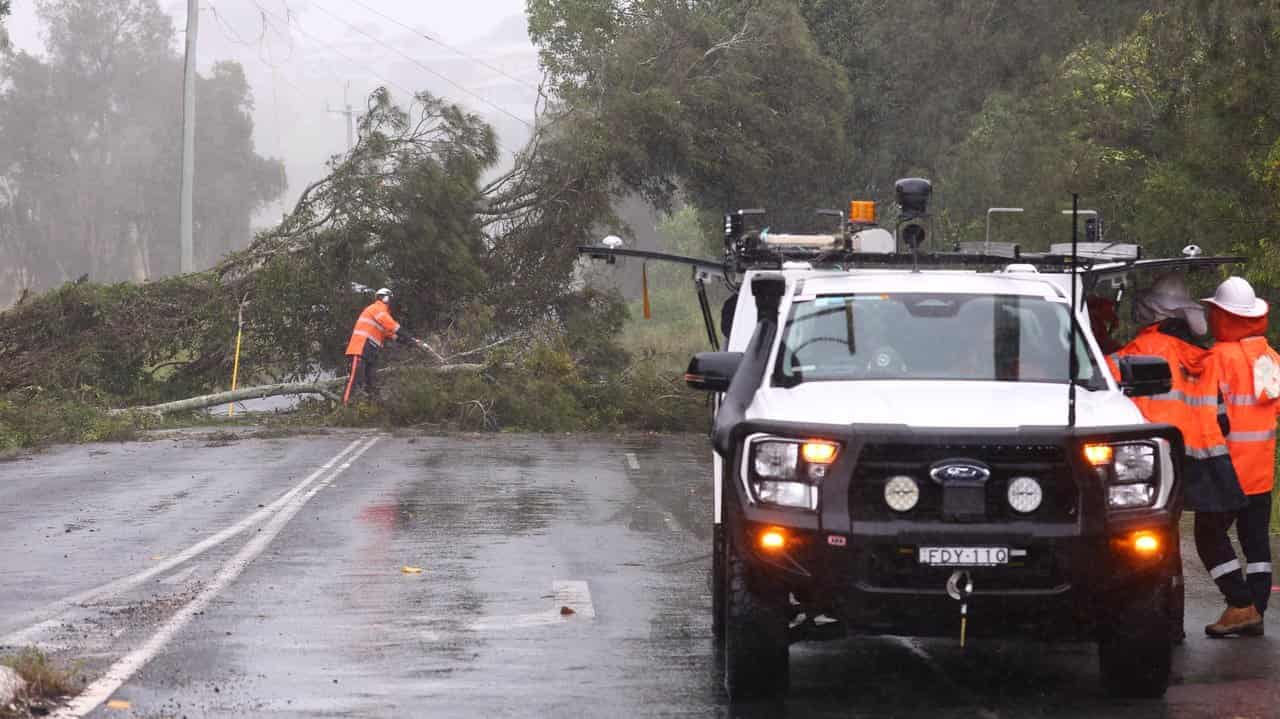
{"x": 756, "y": 657}
{"x": 1135, "y": 668}
{"x": 1136, "y": 653}
{"x": 717, "y": 581}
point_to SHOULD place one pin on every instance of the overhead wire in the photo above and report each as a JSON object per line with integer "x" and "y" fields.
{"x": 235, "y": 38}
{"x": 290, "y": 24}
{"x": 427, "y": 68}
{"x": 447, "y": 46}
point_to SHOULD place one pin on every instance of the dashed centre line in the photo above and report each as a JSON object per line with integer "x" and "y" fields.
{"x": 632, "y": 462}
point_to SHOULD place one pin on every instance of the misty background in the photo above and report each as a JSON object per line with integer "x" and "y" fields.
{"x": 297, "y": 54}
{"x": 304, "y": 61}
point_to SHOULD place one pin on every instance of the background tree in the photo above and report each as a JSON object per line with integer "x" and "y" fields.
{"x": 92, "y": 151}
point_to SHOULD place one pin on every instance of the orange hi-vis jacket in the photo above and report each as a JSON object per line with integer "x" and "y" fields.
{"x": 1249, "y": 372}
{"x": 375, "y": 325}
{"x": 1191, "y": 404}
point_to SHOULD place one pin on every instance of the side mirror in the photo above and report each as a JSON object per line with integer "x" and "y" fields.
{"x": 712, "y": 371}
{"x": 1143, "y": 376}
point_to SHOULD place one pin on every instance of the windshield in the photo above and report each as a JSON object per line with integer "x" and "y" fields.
{"x": 926, "y": 336}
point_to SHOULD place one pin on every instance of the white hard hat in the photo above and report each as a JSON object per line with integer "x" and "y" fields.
{"x": 1236, "y": 295}
{"x": 1167, "y": 298}
{"x": 384, "y": 292}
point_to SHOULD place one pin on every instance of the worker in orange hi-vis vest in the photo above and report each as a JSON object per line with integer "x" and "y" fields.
{"x": 373, "y": 329}
{"x": 1248, "y": 372}
{"x": 1171, "y": 323}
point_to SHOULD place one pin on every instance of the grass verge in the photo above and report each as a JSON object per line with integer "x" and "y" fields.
{"x": 46, "y": 683}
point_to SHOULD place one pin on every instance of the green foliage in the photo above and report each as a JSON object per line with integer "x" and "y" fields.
{"x": 45, "y": 682}
{"x": 109, "y": 340}
{"x": 34, "y": 419}
{"x": 731, "y": 103}
{"x": 546, "y": 391}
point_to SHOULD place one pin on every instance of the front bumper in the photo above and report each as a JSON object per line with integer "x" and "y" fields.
{"x": 1069, "y": 576}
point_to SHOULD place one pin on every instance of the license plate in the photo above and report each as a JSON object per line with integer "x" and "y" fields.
{"x": 964, "y": 556}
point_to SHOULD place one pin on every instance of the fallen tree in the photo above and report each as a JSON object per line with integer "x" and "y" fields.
{"x": 329, "y": 389}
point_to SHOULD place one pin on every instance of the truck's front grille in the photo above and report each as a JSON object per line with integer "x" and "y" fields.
{"x": 1046, "y": 463}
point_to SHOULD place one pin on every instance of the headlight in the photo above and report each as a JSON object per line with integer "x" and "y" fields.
{"x": 1135, "y": 462}
{"x": 901, "y": 493}
{"x": 1128, "y": 471}
{"x": 787, "y": 494}
{"x": 1025, "y": 494}
{"x": 775, "y": 460}
{"x": 786, "y": 472}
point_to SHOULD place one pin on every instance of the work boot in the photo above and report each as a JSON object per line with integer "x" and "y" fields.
{"x": 1245, "y": 621}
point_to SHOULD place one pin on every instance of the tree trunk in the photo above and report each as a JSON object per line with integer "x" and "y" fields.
{"x": 329, "y": 389}
{"x": 326, "y": 388}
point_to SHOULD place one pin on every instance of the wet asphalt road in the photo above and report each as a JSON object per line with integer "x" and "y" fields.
{"x": 255, "y": 577}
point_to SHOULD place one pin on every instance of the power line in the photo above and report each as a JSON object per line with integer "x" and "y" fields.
{"x": 449, "y": 47}
{"x": 334, "y": 50}
{"x": 288, "y": 21}
{"x": 415, "y": 61}
{"x": 231, "y": 35}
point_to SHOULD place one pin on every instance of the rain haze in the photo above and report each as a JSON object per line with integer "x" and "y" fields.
{"x": 639, "y": 358}
{"x": 305, "y": 60}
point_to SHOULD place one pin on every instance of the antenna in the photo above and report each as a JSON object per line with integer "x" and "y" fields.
{"x": 1072, "y": 361}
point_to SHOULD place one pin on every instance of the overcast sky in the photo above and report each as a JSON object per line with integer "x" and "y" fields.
{"x": 307, "y": 54}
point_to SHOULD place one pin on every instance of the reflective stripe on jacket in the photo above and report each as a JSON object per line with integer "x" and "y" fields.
{"x": 1191, "y": 404}
{"x": 1248, "y": 371}
{"x": 375, "y": 325}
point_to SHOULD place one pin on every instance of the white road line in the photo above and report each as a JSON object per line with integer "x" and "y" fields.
{"x": 124, "y": 583}
{"x": 913, "y": 645}
{"x": 122, "y": 670}
{"x": 632, "y": 462}
{"x": 179, "y": 576}
{"x": 670, "y": 520}
{"x": 575, "y": 595}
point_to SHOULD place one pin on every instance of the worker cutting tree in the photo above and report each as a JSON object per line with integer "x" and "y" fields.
{"x": 374, "y": 328}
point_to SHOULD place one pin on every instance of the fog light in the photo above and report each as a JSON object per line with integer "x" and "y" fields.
{"x": 1025, "y": 494}
{"x": 773, "y": 539}
{"x": 901, "y": 493}
{"x": 1128, "y": 496}
{"x": 1146, "y": 543}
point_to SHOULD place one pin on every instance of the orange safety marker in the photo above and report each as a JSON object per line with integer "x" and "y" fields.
{"x": 644, "y": 282}
{"x": 355, "y": 364}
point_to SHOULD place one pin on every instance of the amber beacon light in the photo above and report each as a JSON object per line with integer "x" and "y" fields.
{"x": 862, "y": 212}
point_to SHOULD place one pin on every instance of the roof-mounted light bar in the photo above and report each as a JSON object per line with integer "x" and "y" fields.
{"x": 1099, "y": 250}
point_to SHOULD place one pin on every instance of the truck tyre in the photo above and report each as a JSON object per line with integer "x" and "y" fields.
{"x": 717, "y": 581}
{"x": 756, "y": 657}
{"x": 1135, "y": 668}
{"x": 1136, "y": 654}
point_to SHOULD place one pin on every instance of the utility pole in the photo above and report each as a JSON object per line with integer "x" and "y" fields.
{"x": 187, "y": 254}
{"x": 351, "y": 131}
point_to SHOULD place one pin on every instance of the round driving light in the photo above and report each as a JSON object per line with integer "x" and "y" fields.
{"x": 1025, "y": 494}
{"x": 901, "y": 493}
